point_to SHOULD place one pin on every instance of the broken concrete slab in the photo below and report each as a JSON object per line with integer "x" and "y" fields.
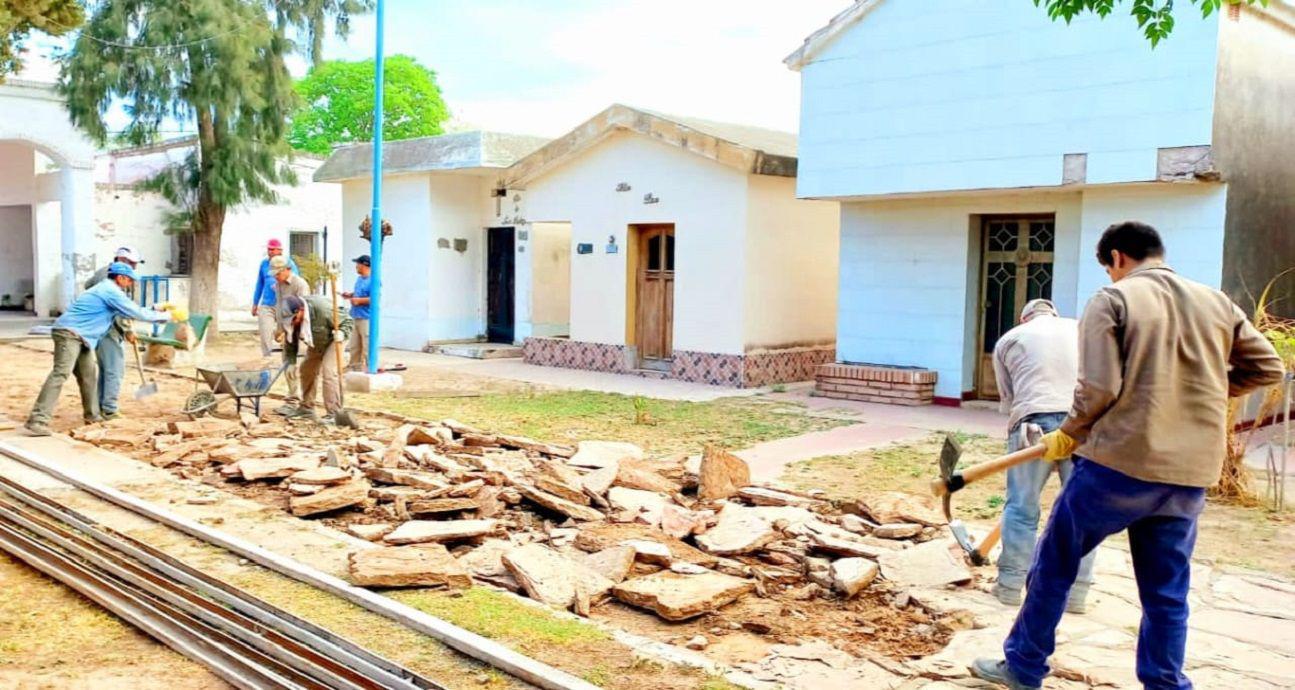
{"x": 934, "y": 563}
{"x": 631, "y": 476}
{"x": 321, "y": 475}
{"x": 486, "y": 560}
{"x": 819, "y": 571}
{"x": 253, "y": 469}
{"x": 895, "y": 507}
{"x": 676, "y": 597}
{"x": 206, "y": 427}
{"x": 561, "y": 489}
{"x": 424, "y": 565}
{"x": 390, "y": 493}
{"x": 738, "y": 531}
{"x": 550, "y": 577}
{"x": 598, "y": 482}
{"x": 597, "y": 537}
{"x": 305, "y": 489}
{"x": 614, "y": 563}
{"x": 599, "y": 454}
{"x": 422, "y": 531}
{"x": 851, "y": 575}
{"x": 547, "y": 500}
{"x": 760, "y": 496}
{"x": 680, "y": 522}
{"x": 414, "y": 478}
{"x": 372, "y": 532}
{"x": 902, "y": 530}
{"x": 722, "y": 474}
{"x": 332, "y": 498}
{"x": 421, "y": 435}
{"x": 646, "y": 505}
{"x": 437, "y": 506}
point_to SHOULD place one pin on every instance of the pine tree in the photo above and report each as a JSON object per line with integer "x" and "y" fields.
{"x": 218, "y": 65}
{"x": 18, "y": 18}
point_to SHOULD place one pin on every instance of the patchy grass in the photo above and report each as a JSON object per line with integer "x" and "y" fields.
{"x": 909, "y": 468}
{"x": 492, "y": 614}
{"x": 1254, "y": 538}
{"x": 660, "y": 426}
{"x": 50, "y": 636}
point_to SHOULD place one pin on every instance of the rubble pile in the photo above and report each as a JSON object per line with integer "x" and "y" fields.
{"x": 447, "y": 504}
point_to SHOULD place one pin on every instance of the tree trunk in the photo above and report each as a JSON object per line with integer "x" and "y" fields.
{"x": 208, "y": 225}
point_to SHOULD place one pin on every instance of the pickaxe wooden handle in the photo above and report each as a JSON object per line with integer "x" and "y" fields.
{"x": 941, "y": 487}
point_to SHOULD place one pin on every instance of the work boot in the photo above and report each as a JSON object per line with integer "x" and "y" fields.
{"x": 37, "y": 429}
{"x": 328, "y": 420}
{"x": 304, "y": 413}
{"x": 92, "y": 420}
{"x": 109, "y": 416}
{"x": 1007, "y": 596}
{"x": 997, "y": 671}
{"x": 285, "y": 410}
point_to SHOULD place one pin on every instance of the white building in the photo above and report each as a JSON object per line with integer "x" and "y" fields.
{"x": 47, "y": 243}
{"x": 440, "y": 196}
{"x": 978, "y": 150}
{"x": 307, "y": 220}
{"x": 689, "y": 254}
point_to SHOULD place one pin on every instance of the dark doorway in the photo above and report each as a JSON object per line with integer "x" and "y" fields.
{"x": 500, "y": 279}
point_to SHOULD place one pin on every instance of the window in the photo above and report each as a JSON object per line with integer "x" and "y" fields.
{"x": 303, "y": 244}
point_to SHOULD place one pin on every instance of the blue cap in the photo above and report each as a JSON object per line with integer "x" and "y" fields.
{"x": 363, "y": 260}
{"x": 118, "y": 268}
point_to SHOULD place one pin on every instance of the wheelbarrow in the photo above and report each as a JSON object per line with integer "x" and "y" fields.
{"x": 243, "y": 385}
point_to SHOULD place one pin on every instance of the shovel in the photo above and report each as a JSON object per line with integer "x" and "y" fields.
{"x": 146, "y": 388}
{"x": 343, "y": 416}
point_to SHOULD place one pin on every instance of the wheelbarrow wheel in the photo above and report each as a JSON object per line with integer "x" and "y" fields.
{"x": 200, "y": 403}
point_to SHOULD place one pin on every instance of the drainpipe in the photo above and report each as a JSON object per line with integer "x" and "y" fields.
{"x": 375, "y": 233}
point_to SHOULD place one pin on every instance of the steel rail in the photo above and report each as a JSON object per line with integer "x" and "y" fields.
{"x": 318, "y": 669}
{"x": 186, "y": 636}
{"x": 343, "y": 654}
{"x": 492, "y": 653}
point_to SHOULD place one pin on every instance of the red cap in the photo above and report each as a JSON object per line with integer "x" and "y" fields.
{"x": 274, "y": 244}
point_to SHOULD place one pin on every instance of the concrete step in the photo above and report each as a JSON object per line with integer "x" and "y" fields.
{"x": 478, "y": 350}
{"x": 651, "y": 373}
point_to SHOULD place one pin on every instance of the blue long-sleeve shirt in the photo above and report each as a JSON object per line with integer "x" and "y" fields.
{"x": 92, "y": 313}
{"x": 264, "y": 296}
{"x": 360, "y": 312}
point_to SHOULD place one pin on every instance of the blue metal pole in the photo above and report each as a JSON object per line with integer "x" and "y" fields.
{"x": 375, "y": 233}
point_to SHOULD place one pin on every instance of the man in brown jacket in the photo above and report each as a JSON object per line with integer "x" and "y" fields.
{"x": 1159, "y": 356}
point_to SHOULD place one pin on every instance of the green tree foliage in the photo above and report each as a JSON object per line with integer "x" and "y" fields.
{"x": 338, "y": 108}
{"x": 216, "y": 65}
{"x": 18, "y": 18}
{"x": 1154, "y": 17}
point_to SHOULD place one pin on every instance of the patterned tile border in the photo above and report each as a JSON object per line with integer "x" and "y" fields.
{"x": 711, "y": 368}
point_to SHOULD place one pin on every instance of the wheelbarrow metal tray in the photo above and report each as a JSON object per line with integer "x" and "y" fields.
{"x": 240, "y": 382}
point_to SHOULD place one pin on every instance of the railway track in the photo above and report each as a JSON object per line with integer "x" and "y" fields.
{"x": 244, "y": 640}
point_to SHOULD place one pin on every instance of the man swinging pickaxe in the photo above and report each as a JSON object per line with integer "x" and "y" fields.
{"x": 951, "y": 481}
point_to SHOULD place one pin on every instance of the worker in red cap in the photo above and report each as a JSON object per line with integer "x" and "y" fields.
{"x": 264, "y": 297}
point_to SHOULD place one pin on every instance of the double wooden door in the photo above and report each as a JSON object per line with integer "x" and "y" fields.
{"x": 1017, "y": 267}
{"x": 654, "y": 318}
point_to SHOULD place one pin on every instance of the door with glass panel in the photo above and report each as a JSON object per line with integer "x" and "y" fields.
{"x": 1016, "y": 267}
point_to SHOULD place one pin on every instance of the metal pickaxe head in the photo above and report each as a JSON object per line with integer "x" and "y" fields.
{"x": 949, "y": 456}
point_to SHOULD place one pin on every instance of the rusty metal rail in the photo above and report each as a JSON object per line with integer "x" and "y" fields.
{"x": 245, "y": 641}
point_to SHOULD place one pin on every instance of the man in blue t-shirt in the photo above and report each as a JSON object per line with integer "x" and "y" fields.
{"x": 359, "y": 298}
{"x": 264, "y": 297}
{"x": 76, "y": 334}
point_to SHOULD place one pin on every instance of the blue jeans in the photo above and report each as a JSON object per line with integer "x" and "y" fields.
{"x": 1021, "y": 513}
{"x": 112, "y": 368}
{"x": 1096, "y": 503}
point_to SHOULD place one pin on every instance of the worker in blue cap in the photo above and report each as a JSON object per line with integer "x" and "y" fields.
{"x": 76, "y": 334}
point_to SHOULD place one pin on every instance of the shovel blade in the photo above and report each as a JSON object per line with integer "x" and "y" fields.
{"x": 146, "y": 390}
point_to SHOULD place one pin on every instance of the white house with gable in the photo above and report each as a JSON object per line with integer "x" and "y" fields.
{"x": 690, "y": 256}
{"x": 979, "y": 149}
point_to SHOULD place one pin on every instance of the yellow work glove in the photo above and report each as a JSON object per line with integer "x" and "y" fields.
{"x": 163, "y": 306}
{"x": 179, "y": 314}
{"x": 1059, "y": 445}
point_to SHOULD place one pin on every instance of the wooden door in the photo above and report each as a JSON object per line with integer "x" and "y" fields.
{"x": 654, "y": 331}
{"x": 500, "y": 280}
{"x": 1017, "y": 256}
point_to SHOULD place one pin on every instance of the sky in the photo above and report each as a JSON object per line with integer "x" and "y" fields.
{"x": 545, "y": 66}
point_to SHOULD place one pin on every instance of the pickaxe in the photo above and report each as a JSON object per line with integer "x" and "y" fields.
{"x": 951, "y": 481}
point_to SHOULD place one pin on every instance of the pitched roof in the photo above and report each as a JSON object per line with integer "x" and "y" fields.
{"x": 821, "y": 38}
{"x": 751, "y": 150}
{"x": 460, "y": 151}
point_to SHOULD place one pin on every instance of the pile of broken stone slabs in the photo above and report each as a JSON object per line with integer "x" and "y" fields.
{"x": 446, "y": 504}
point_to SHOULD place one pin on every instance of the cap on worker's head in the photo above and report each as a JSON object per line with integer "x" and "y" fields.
{"x": 274, "y": 244}
{"x": 363, "y": 260}
{"x": 293, "y": 303}
{"x": 1038, "y": 307}
{"x": 118, "y": 268}
{"x": 278, "y": 263}
{"x": 129, "y": 254}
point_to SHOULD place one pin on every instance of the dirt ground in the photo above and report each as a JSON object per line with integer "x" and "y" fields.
{"x": 52, "y": 638}
{"x": 1247, "y": 537}
{"x": 867, "y": 623}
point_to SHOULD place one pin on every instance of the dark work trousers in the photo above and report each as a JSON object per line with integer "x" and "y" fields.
{"x": 1096, "y": 503}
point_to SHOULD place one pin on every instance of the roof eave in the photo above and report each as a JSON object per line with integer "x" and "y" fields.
{"x": 819, "y": 39}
